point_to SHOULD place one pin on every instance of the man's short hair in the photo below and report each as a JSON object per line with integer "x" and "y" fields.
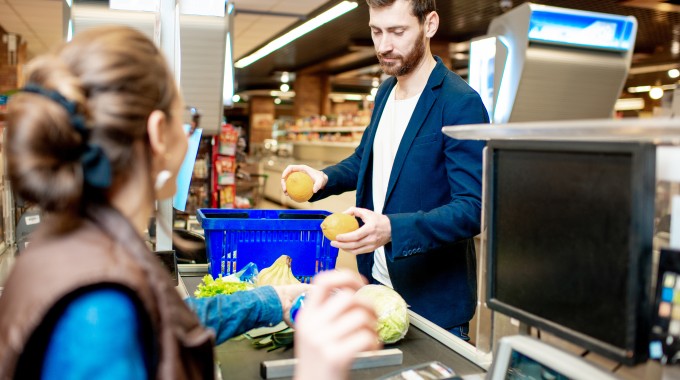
{"x": 419, "y": 8}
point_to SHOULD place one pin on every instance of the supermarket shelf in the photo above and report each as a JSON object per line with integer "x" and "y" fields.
{"x": 326, "y": 129}
{"x": 352, "y": 144}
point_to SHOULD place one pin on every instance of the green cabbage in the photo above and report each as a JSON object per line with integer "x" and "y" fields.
{"x": 392, "y": 311}
{"x": 211, "y": 287}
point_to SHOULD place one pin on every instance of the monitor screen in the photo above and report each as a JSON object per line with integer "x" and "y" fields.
{"x": 522, "y": 367}
{"x": 570, "y": 228}
{"x": 526, "y": 358}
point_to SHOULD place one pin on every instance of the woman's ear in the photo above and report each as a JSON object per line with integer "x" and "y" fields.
{"x": 156, "y": 129}
{"x": 431, "y": 24}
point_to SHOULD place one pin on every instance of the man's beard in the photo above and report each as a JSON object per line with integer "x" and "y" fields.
{"x": 404, "y": 65}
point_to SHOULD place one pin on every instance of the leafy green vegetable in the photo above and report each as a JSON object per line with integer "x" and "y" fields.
{"x": 271, "y": 338}
{"x": 276, "y": 340}
{"x": 392, "y": 311}
{"x": 211, "y": 287}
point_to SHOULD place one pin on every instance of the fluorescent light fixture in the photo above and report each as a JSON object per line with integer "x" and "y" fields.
{"x": 285, "y": 77}
{"x": 355, "y": 97}
{"x": 629, "y": 104}
{"x": 637, "y": 89}
{"x": 674, "y": 73}
{"x": 300, "y": 31}
{"x": 214, "y": 8}
{"x": 135, "y": 5}
{"x": 281, "y": 94}
{"x": 228, "y": 84}
{"x": 340, "y": 97}
{"x": 277, "y": 101}
{"x": 284, "y": 87}
{"x": 69, "y": 31}
{"x": 236, "y": 98}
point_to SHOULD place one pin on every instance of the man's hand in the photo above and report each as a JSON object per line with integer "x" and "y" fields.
{"x": 376, "y": 232}
{"x": 320, "y": 178}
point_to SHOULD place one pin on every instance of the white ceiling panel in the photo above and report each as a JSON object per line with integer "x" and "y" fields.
{"x": 39, "y": 22}
{"x": 260, "y": 5}
{"x": 251, "y": 31}
{"x": 299, "y": 7}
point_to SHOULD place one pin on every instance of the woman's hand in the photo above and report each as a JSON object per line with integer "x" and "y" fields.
{"x": 287, "y": 294}
{"x": 333, "y": 326}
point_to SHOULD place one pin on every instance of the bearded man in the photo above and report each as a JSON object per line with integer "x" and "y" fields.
{"x": 418, "y": 191}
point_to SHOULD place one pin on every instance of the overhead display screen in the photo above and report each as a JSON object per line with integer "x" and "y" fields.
{"x": 583, "y": 29}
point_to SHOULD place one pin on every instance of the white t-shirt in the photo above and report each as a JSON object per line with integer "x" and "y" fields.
{"x": 393, "y": 122}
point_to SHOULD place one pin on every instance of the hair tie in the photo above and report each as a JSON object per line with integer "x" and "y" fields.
{"x": 96, "y": 166}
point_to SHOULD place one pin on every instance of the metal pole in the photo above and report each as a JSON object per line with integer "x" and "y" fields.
{"x": 167, "y": 36}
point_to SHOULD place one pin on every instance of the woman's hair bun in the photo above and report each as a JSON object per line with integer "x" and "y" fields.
{"x": 43, "y": 147}
{"x": 117, "y": 77}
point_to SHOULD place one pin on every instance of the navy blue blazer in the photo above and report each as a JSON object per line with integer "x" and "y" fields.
{"x": 433, "y": 198}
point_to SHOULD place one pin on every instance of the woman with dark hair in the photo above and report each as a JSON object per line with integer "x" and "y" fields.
{"x": 94, "y": 139}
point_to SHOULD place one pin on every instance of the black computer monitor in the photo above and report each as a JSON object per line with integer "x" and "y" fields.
{"x": 570, "y": 228}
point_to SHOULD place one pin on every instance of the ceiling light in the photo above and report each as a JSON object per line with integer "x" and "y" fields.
{"x": 282, "y": 95}
{"x": 228, "y": 75}
{"x": 674, "y": 73}
{"x": 284, "y": 87}
{"x": 277, "y": 101}
{"x": 285, "y": 77}
{"x": 301, "y": 30}
{"x": 629, "y": 104}
{"x": 374, "y": 91}
{"x": 69, "y": 31}
{"x": 375, "y": 82}
{"x": 355, "y": 97}
{"x": 370, "y": 98}
{"x": 637, "y": 89}
{"x": 656, "y": 93}
{"x": 236, "y": 98}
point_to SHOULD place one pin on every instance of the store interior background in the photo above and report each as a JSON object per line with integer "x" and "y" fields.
{"x": 330, "y": 74}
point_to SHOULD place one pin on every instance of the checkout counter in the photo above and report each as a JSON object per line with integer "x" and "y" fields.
{"x": 424, "y": 342}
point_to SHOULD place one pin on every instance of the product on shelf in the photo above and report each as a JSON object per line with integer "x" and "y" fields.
{"x": 225, "y": 167}
{"x": 228, "y": 139}
{"x": 201, "y": 168}
{"x": 226, "y": 195}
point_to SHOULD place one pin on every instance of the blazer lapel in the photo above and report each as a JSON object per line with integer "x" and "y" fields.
{"x": 425, "y": 103}
{"x": 378, "y": 109}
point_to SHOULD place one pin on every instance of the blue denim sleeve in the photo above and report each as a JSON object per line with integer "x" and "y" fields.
{"x": 234, "y": 314}
{"x": 97, "y": 337}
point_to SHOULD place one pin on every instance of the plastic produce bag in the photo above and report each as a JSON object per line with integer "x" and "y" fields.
{"x": 391, "y": 309}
